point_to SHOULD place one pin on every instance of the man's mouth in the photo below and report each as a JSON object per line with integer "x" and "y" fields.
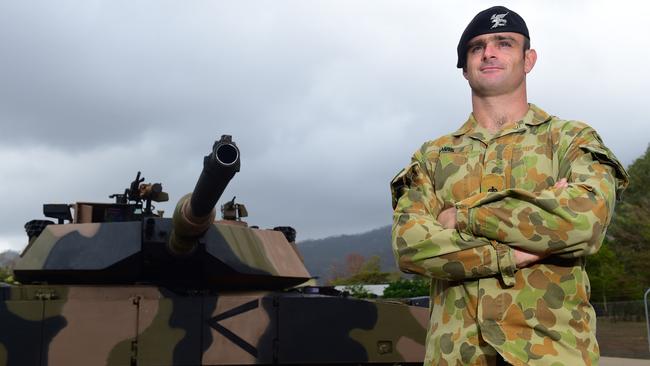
{"x": 489, "y": 68}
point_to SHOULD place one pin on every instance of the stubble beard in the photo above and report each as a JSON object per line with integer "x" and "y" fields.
{"x": 493, "y": 88}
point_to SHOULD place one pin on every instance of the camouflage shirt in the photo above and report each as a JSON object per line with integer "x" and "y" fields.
{"x": 502, "y": 186}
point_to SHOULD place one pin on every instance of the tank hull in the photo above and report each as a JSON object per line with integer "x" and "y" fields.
{"x": 148, "y": 325}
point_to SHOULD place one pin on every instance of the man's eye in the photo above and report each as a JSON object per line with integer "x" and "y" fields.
{"x": 504, "y": 44}
{"x": 475, "y": 49}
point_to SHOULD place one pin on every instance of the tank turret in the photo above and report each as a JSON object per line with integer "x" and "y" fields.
{"x": 126, "y": 242}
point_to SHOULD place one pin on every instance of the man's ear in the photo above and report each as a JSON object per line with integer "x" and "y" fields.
{"x": 530, "y": 57}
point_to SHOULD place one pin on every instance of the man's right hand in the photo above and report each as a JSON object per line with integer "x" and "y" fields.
{"x": 524, "y": 259}
{"x": 562, "y": 183}
{"x": 447, "y": 218}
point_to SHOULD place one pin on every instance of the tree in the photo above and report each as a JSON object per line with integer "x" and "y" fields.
{"x": 606, "y": 275}
{"x": 639, "y": 172}
{"x": 358, "y": 291}
{"x": 353, "y": 262}
{"x": 619, "y": 270}
{"x": 6, "y": 275}
{"x": 368, "y": 273}
{"x": 404, "y": 288}
{"x": 334, "y": 271}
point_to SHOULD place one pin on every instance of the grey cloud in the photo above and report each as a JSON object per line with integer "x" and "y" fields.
{"x": 327, "y": 99}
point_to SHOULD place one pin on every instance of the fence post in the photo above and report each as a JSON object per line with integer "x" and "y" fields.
{"x": 647, "y": 318}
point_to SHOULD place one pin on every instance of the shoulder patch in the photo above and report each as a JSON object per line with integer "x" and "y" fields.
{"x": 402, "y": 180}
{"x": 603, "y": 155}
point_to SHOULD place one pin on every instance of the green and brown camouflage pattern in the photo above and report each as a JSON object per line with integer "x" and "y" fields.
{"x": 230, "y": 255}
{"x": 147, "y": 325}
{"x": 503, "y": 188}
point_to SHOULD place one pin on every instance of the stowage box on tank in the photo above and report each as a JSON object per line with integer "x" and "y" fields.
{"x": 118, "y": 284}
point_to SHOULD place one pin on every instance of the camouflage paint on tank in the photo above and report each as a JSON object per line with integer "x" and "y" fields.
{"x": 111, "y": 252}
{"x": 349, "y": 330}
{"x": 144, "y": 325}
{"x": 81, "y": 246}
{"x": 169, "y": 329}
{"x": 238, "y": 323}
{"x": 408, "y": 347}
{"x": 27, "y": 329}
{"x": 264, "y": 250}
{"x": 275, "y": 255}
{"x": 97, "y": 332}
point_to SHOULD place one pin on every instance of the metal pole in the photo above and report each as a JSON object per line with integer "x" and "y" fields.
{"x": 647, "y": 318}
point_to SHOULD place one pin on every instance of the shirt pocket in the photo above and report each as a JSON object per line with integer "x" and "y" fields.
{"x": 531, "y": 167}
{"x": 457, "y": 173}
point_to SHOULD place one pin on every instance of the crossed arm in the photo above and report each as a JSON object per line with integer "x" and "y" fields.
{"x": 447, "y": 218}
{"x": 494, "y": 234}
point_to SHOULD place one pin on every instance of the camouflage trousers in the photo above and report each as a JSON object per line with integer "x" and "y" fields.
{"x": 469, "y": 348}
{"x": 481, "y": 355}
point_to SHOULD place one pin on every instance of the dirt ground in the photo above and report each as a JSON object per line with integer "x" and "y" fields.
{"x": 622, "y": 339}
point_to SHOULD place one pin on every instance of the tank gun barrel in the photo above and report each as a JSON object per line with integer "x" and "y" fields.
{"x": 218, "y": 169}
{"x": 195, "y": 212}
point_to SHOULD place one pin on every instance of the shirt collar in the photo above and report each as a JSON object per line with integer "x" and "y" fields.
{"x": 534, "y": 117}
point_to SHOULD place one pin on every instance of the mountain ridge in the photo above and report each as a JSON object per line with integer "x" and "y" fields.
{"x": 8, "y": 258}
{"x": 322, "y": 256}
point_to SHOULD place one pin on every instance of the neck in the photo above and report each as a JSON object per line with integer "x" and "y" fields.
{"x": 499, "y": 111}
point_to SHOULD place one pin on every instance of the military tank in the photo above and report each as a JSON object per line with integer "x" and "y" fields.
{"x": 119, "y": 284}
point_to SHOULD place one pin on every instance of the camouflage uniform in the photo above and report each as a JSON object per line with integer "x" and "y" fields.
{"x": 503, "y": 189}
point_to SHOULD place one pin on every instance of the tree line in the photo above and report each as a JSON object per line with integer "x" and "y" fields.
{"x": 619, "y": 271}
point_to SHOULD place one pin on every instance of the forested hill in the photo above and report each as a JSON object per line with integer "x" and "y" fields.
{"x": 8, "y": 258}
{"x": 326, "y": 257}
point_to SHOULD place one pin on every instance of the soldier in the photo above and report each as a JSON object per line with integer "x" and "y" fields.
{"x": 502, "y": 213}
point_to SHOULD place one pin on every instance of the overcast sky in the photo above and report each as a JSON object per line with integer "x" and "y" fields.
{"x": 327, "y": 100}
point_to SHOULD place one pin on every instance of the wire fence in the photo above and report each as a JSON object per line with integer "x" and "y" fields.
{"x": 630, "y": 311}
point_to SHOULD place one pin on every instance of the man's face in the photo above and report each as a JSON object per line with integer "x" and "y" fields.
{"x": 497, "y": 63}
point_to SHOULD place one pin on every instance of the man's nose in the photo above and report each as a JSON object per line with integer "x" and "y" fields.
{"x": 489, "y": 51}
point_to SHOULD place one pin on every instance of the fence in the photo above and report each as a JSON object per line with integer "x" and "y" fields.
{"x": 621, "y": 329}
{"x": 630, "y": 311}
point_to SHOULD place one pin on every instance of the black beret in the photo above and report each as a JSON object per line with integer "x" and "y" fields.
{"x": 496, "y": 19}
